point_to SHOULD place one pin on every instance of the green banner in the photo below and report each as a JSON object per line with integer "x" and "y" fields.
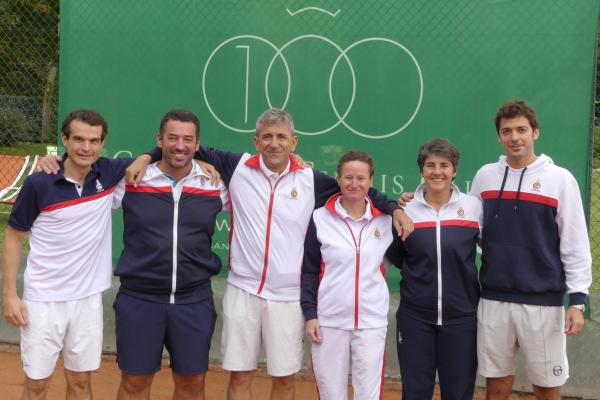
{"x": 380, "y": 76}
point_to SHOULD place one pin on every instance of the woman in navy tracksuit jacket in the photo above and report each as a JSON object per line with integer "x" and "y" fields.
{"x": 437, "y": 317}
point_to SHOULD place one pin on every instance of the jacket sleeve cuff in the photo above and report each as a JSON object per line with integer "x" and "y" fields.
{"x": 155, "y": 154}
{"x": 310, "y": 313}
{"x": 393, "y": 206}
{"x": 577, "y": 298}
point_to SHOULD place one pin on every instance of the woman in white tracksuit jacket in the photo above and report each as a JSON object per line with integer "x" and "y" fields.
{"x": 343, "y": 267}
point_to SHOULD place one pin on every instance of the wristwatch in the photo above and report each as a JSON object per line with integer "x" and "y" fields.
{"x": 580, "y": 307}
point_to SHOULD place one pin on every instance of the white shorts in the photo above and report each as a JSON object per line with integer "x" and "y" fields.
{"x": 331, "y": 362}
{"x": 73, "y": 327}
{"x": 250, "y": 322}
{"x": 504, "y": 328}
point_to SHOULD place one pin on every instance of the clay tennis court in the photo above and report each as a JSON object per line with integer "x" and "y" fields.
{"x": 106, "y": 380}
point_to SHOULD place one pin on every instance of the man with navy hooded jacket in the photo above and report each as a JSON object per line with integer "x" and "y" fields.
{"x": 535, "y": 249}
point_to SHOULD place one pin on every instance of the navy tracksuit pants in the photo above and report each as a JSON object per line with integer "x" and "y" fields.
{"x": 449, "y": 349}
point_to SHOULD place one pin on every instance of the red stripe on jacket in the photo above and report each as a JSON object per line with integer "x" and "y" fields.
{"x": 531, "y": 197}
{"x": 449, "y": 222}
{"x": 204, "y": 192}
{"x": 148, "y": 189}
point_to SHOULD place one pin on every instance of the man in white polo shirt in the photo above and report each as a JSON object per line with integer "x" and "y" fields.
{"x": 68, "y": 218}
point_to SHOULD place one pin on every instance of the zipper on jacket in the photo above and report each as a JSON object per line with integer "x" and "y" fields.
{"x": 356, "y": 281}
{"x": 177, "y": 189}
{"x": 438, "y": 249}
{"x": 268, "y": 230}
{"x": 356, "y": 268}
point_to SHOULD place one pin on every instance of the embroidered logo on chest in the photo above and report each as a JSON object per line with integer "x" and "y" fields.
{"x": 537, "y": 185}
{"x": 294, "y": 194}
{"x": 460, "y": 212}
{"x": 377, "y": 233}
{"x": 202, "y": 181}
{"x": 99, "y": 187}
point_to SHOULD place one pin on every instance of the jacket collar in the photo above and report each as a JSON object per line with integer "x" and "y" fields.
{"x": 420, "y": 193}
{"x": 254, "y": 162}
{"x": 153, "y": 171}
{"x": 60, "y": 175}
{"x": 330, "y": 206}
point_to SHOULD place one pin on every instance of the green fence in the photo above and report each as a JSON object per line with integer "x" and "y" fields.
{"x": 378, "y": 76}
{"x": 381, "y": 77}
{"x": 28, "y": 88}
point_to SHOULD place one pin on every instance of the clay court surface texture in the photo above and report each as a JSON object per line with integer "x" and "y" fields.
{"x": 105, "y": 382}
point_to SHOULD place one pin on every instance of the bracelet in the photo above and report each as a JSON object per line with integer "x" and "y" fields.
{"x": 580, "y": 307}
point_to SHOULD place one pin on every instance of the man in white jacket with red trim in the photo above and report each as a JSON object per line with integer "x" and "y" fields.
{"x": 272, "y": 200}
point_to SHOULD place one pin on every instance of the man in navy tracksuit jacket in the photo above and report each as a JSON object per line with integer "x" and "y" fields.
{"x": 165, "y": 298}
{"x": 535, "y": 248}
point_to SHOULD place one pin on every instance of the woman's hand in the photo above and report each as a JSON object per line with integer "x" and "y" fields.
{"x": 313, "y": 331}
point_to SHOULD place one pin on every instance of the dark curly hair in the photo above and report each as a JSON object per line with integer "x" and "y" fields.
{"x": 90, "y": 117}
{"x": 516, "y": 108}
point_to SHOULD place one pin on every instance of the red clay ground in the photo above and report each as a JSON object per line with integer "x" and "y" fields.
{"x": 106, "y": 380}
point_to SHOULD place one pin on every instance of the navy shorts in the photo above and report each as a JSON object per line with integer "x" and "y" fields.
{"x": 143, "y": 328}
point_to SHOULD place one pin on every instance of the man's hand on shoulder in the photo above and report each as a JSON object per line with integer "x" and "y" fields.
{"x": 135, "y": 172}
{"x": 406, "y": 198}
{"x": 403, "y": 224}
{"x": 209, "y": 170}
{"x": 48, "y": 164}
{"x": 574, "y": 321}
{"x": 301, "y": 161}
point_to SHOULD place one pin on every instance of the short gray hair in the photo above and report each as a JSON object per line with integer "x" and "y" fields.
{"x": 274, "y": 116}
{"x": 439, "y": 147}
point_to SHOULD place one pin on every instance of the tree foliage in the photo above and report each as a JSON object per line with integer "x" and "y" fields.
{"x": 28, "y": 45}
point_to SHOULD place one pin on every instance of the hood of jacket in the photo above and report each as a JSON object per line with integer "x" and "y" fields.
{"x": 541, "y": 162}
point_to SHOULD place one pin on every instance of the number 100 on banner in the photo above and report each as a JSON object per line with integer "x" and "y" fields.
{"x": 371, "y": 88}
